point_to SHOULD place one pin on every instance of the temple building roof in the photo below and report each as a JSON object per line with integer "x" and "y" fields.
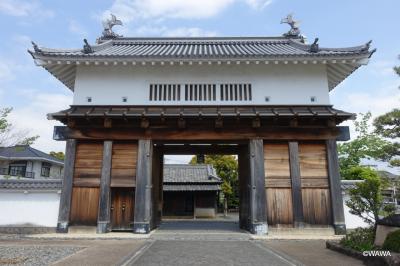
{"x": 62, "y": 63}
{"x": 186, "y": 177}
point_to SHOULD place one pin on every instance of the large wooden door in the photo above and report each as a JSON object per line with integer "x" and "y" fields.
{"x": 122, "y": 208}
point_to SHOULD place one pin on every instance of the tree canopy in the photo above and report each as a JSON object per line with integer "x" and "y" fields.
{"x": 9, "y": 136}
{"x": 366, "y": 145}
{"x": 59, "y": 155}
{"x": 366, "y": 199}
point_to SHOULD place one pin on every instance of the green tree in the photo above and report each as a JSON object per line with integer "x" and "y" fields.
{"x": 366, "y": 199}
{"x": 226, "y": 167}
{"x": 366, "y": 145}
{"x": 59, "y": 155}
{"x": 9, "y": 136}
{"x": 388, "y": 125}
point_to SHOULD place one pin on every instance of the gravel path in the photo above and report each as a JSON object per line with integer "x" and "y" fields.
{"x": 34, "y": 255}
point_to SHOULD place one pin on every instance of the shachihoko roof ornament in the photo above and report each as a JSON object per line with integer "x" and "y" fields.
{"x": 294, "y": 26}
{"x": 108, "y": 24}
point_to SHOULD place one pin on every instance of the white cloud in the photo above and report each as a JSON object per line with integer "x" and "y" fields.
{"x": 378, "y": 102}
{"x": 188, "y": 32}
{"x": 22, "y": 8}
{"x": 258, "y": 4}
{"x": 382, "y": 68}
{"x": 33, "y": 118}
{"x": 130, "y": 10}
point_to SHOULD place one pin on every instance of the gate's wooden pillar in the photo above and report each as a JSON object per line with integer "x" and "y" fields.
{"x": 66, "y": 191}
{"x": 335, "y": 188}
{"x": 143, "y": 193}
{"x": 297, "y": 199}
{"x": 258, "y": 220}
{"x": 103, "y": 219}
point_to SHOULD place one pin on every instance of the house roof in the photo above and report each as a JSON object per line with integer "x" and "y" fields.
{"x": 325, "y": 111}
{"x": 26, "y": 152}
{"x": 62, "y": 63}
{"x": 349, "y": 184}
{"x": 388, "y": 175}
{"x": 185, "y": 177}
{"x": 37, "y": 184}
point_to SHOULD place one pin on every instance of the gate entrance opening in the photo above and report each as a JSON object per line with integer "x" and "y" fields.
{"x": 246, "y": 186}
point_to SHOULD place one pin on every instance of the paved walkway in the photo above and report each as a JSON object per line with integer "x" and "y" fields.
{"x": 195, "y": 243}
{"x": 197, "y": 253}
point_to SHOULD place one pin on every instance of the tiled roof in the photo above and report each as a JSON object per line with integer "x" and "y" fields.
{"x": 35, "y": 184}
{"x": 185, "y": 177}
{"x": 62, "y": 63}
{"x": 349, "y": 184}
{"x": 25, "y": 152}
{"x": 191, "y": 187}
{"x": 203, "y": 111}
{"x": 205, "y": 48}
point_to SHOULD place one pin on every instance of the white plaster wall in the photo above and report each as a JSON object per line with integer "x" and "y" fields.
{"x": 56, "y": 171}
{"x": 32, "y": 209}
{"x": 37, "y": 169}
{"x": 284, "y": 84}
{"x": 352, "y": 221}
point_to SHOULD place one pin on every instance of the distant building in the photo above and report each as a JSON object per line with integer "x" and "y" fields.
{"x": 24, "y": 161}
{"x": 190, "y": 190}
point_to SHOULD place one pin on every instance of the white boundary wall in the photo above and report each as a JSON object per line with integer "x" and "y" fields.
{"x": 29, "y": 208}
{"x": 352, "y": 221}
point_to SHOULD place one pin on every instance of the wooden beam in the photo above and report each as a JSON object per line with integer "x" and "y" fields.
{"x": 107, "y": 122}
{"x": 66, "y": 190}
{"x": 143, "y": 197}
{"x": 219, "y": 123}
{"x": 103, "y": 220}
{"x": 197, "y": 149}
{"x": 268, "y": 133}
{"x": 335, "y": 188}
{"x": 258, "y": 220}
{"x": 144, "y": 123}
{"x": 297, "y": 200}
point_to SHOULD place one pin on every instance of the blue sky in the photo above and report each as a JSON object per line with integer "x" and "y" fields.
{"x": 33, "y": 92}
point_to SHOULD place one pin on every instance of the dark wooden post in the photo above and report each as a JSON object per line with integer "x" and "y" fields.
{"x": 66, "y": 191}
{"x": 258, "y": 220}
{"x": 335, "y": 188}
{"x": 297, "y": 199}
{"x": 143, "y": 199}
{"x": 103, "y": 219}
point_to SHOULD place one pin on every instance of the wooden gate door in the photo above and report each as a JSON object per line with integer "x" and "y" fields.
{"x": 122, "y": 208}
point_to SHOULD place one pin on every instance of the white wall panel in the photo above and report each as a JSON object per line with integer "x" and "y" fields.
{"x": 32, "y": 209}
{"x": 284, "y": 84}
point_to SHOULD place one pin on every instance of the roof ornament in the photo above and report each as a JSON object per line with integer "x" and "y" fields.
{"x": 36, "y": 47}
{"x": 87, "y": 49}
{"x": 366, "y": 46}
{"x": 294, "y": 26}
{"x": 107, "y": 27}
{"x": 314, "y": 48}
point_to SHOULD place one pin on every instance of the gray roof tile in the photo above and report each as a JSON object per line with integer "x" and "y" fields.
{"x": 185, "y": 177}
{"x": 202, "y": 48}
{"x": 37, "y": 184}
{"x": 24, "y": 152}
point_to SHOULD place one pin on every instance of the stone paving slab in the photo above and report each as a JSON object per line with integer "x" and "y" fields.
{"x": 310, "y": 252}
{"x": 199, "y": 253}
